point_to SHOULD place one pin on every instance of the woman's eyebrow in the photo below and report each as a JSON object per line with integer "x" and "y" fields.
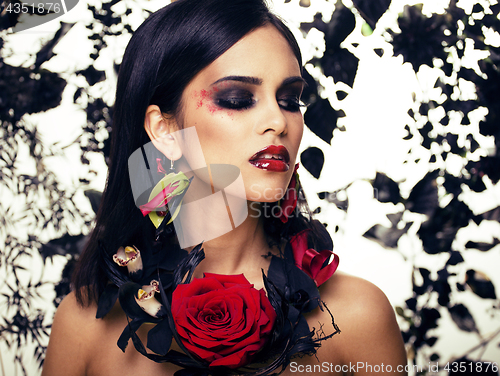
{"x": 258, "y": 81}
{"x": 245, "y": 79}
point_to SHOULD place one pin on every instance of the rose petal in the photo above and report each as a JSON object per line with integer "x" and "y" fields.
{"x": 194, "y": 289}
{"x": 325, "y": 273}
{"x": 201, "y": 352}
{"x": 235, "y": 360}
{"x": 237, "y": 278}
{"x": 299, "y": 246}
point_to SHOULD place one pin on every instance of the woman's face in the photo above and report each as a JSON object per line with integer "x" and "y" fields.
{"x": 245, "y": 107}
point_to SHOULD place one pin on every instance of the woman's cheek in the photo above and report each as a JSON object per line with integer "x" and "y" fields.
{"x": 204, "y": 100}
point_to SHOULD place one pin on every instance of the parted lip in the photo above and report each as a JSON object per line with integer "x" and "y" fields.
{"x": 276, "y": 152}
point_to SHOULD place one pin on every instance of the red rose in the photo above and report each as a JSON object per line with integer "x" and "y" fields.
{"x": 222, "y": 319}
{"x": 318, "y": 265}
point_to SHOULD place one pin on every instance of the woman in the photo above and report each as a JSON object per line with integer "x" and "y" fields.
{"x": 223, "y": 76}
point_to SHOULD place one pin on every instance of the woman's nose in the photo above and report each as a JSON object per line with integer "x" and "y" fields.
{"x": 272, "y": 119}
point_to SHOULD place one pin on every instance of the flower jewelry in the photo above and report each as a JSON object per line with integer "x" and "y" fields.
{"x": 171, "y": 188}
{"x": 223, "y": 325}
{"x": 129, "y": 257}
{"x": 146, "y": 299}
{"x": 222, "y": 319}
{"x": 289, "y": 201}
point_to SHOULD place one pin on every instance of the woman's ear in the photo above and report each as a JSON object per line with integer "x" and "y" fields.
{"x": 161, "y": 131}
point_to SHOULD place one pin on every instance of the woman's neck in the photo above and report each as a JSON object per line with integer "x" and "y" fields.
{"x": 215, "y": 212}
{"x": 238, "y": 251}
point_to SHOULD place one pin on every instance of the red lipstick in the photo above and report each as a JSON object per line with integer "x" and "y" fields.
{"x": 272, "y": 158}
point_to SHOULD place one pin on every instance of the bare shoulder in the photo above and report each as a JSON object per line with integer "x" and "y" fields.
{"x": 73, "y": 330}
{"x": 370, "y": 335}
{"x": 357, "y": 296}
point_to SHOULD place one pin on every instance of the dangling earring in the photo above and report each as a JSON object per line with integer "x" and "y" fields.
{"x": 171, "y": 170}
{"x": 161, "y": 170}
{"x": 166, "y": 197}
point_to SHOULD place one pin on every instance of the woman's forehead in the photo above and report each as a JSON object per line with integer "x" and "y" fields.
{"x": 264, "y": 52}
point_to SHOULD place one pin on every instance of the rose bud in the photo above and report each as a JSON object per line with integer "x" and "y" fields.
{"x": 129, "y": 257}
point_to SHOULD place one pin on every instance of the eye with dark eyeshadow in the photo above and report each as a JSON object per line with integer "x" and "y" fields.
{"x": 234, "y": 99}
{"x": 288, "y": 97}
{"x": 290, "y": 103}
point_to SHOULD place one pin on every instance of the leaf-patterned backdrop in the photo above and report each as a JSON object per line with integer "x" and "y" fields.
{"x": 400, "y": 159}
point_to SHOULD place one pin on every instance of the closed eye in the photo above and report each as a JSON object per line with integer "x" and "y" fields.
{"x": 235, "y": 99}
{"x": 292, "y": 104}
{"x": 235, "y": 103}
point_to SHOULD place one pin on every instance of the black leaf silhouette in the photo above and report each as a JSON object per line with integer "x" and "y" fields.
{"x": 492, "y": 215}
{"x": 386, "y": 236}
{"x": 386, "y": 189}
{"x": 443, "y": 288}
{"x": 21, "y": 93}
{"x": 94, "y": 198}
{"x": 455, "y": 258}
{"x": 336, "y": 62}
{"x": 333, "y": 197}
{"x": 313, "y": 159}
{"x": 480, "y": 284}
{"x": 341, "y": 24}
{"x": 426, "y": 281}
{"x": 411, "y": 303}
{"x": 424, "y": 195}
{"x": 92, "y": 75}
{"x": 453, "y": 184}
{"x": 431, "y": 341}
{"x": 438, "y": 233}
{"x": 486, "y": 165}
{"x": 481, "y": 246}
{"x": 395, "y": 218}
{"x": 372, "y": 10}
{"x": 421, "y": 38}
{"x": 429, "y": 318}
{"x": 461, "y": 316}
{"x": 321, "y": 119}
{"x": 340, "y": 64}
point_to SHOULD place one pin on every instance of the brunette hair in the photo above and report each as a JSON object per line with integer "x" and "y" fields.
{"x": 163, "y": 56}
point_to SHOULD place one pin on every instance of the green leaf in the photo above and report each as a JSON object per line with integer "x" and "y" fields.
{"x": 366, "y": 30}
{"x": 400, "y": 311}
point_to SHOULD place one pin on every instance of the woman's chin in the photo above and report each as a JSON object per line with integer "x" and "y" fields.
{"x": 267, "y": 194}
